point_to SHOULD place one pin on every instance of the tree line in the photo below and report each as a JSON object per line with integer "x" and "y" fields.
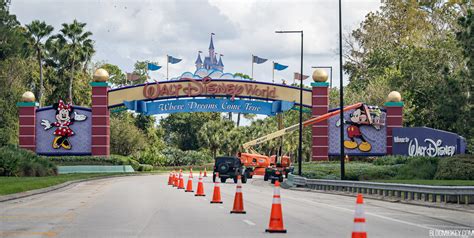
{"x": 423, "y": 50}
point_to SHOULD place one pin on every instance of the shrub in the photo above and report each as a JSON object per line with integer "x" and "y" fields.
{"x": 124, "y": 160}
{"x": 81, "y": 160}
{"x": 457, "y": 167}
{"x": 391, "y": 160}
{"x": 126, "y": 138}
{"x": 145, "y": 167}
{"x": 93, "y": 160}
{"x": 354, "y": 171}
{"x": 15, "y": 161}
{"x": 419, "y": 168}
{"x": 152, "y": 156}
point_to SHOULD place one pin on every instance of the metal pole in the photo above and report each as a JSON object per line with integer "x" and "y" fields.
{"x": 300, "y": 146}
{"x": 252, "y": 67}
{"x": 167, "y": 61}
{"x": 273, "y": 71}
{"x": 341, "y": 94}
{"x": 330, "y": 73}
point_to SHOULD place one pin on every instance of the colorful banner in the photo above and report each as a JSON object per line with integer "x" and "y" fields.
{"x": 208, "y": 105}
{"x": 186, "y": 88}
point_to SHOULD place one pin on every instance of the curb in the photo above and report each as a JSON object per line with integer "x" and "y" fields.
{"x": 14, "y": 196}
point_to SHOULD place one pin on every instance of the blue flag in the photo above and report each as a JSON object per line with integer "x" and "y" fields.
{"x": 279, "y": 67}
{"x": 153, "y": 67}
{"x": 173, "y": 60}
{"x": 259, "y": 60}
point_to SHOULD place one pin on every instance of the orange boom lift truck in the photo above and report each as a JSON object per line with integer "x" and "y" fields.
{"x": 277, "y": 166}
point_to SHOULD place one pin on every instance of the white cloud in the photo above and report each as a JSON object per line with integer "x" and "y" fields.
{"x": 127, "y": 31}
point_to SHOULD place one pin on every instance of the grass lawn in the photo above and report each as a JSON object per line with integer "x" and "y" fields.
{"x": 9, "y": 185}
{"x": 431, "y": 182}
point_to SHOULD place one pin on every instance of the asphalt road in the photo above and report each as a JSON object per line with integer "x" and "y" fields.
{"x": 144, "y": 206}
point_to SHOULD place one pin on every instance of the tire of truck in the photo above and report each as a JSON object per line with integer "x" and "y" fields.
{"x": 223, "y": 180}
{"x": 244, "y": 179}
{"x": 236, "y": 179}
{"x": 213, "y": 178}
{"x": 246, "y": 174}
{"x": 280, "y": 179}
{"x": 273, "y": 181}
{"x": 265, "y": 177}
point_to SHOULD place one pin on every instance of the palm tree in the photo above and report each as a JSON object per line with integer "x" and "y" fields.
{"x": 75, "y": 46}
{"x": 37, "y": 30}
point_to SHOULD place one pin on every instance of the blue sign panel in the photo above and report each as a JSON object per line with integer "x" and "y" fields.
{"x": 208, "y": 105}
{"x": 424, "y": 141}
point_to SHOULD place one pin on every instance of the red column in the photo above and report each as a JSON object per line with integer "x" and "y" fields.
{"x": 394, "y": 119}
{"x": 27, "y": 122}
{"x": 320, "y": 106}
{"x": 100, "y": 119}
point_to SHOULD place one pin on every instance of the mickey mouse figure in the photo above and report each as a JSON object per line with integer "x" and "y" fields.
{"x": 357, "y": 119}
{"x": 64, "y": 118}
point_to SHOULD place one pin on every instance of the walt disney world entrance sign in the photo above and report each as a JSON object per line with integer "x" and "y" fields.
{"x": 208, "y": 95}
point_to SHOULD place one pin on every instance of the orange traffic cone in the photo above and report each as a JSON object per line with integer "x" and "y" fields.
{"x": 170, "y": 178}
{"x": 175, "y": 179}
{"x": 205, "y": 172}
{"x": 276, "y": 216}
{"x": 359, "y": 219}
{"x": 189, "y": 186}
{"x": 216, "y": 196}
{"x": 181, "y": 180}
{"x": 200, "y": 189}
{"x": 239, "y": 198}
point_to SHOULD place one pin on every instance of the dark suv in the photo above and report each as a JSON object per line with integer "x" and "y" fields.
{"x": 228, "y": 167}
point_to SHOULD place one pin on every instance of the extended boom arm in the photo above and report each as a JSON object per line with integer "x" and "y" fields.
{"x": 292, "y": 128}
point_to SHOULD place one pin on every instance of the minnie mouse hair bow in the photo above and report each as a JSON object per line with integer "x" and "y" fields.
{"x": 63, "y": 106}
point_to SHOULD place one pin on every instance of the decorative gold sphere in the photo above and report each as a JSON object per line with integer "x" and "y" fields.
{"x": 320, "y": 75}
{"x": 394, "y": 96}
{"x": 28, "y": 97}
{"x": 101, "y": 75}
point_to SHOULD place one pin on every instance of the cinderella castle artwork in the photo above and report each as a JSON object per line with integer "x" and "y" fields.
{"x": 210, "y": 62}
{"x": 212, "y": 66}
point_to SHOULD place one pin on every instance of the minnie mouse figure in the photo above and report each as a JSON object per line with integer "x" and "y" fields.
{"x": 64, "y": 118}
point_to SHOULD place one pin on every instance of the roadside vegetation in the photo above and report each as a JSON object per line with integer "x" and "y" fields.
{"x": 399, "y": 168}
{"x": 18, "y": 162}
{"x": 9, "y": 185}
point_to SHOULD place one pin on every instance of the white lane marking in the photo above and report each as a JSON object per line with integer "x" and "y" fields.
{"x": 205, "y": 199}
{"x": 221, "y": 207}
{"x": 367, "y": 213}
{"x": 250, "y": 223}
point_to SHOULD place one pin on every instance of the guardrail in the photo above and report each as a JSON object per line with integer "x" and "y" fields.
{"x": 407, "y": 192}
